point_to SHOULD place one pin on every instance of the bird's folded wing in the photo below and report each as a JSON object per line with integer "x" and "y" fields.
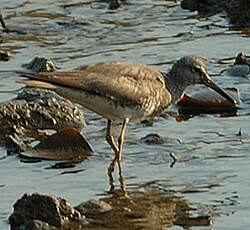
{"x": 117, "y": 80}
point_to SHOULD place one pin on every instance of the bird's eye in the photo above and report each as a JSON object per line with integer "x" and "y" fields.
{"x": 197, "y": 70}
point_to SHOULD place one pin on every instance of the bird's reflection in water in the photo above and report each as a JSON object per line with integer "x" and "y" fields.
{"x": 121, "y": 178}
{"x": 147, "y": 206}
{"x": 111, "y": 169}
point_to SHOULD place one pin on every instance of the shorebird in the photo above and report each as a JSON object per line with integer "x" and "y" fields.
{"x": 125, "y": 91}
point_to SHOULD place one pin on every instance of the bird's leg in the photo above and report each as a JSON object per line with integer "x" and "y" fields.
{"x": 118, "y": 154}
{"x": 121, "y": 140}
{"x": 110, "y": 138}
{"x": 119, "y": 157}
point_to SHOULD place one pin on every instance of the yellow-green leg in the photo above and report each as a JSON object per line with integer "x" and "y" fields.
{"x": 118, "y": 154}
{"x": 111, "y": 142}
{"x": 121, "y": 139}
{"x": 110, "y": 138}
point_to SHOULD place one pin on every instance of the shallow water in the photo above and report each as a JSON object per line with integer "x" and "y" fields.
{"x": 212, "y": 173}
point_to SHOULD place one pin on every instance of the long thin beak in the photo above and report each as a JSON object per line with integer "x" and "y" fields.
{"x": 208, "y": 82}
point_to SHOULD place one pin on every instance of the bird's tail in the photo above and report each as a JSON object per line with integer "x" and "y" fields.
{"x": 37, "y": 83}
{"x": 34, "y": 82}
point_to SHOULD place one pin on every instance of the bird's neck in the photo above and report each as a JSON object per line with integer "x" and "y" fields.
{"x": 174, "y": 86}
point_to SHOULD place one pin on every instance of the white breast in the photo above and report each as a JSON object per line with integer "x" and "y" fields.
{"x": 105, "y": 107}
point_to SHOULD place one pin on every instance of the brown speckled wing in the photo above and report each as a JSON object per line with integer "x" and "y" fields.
{"x": 130, "y": 82}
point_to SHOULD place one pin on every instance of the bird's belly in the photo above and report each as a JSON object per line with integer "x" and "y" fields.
{"x": 103, "y": 106}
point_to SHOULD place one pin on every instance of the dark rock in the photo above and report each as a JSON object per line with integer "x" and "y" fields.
{"x": 93, "y": 208}
{"x": 241, "y": 59}
{"x": 49, "y": 209}
{"x": 237, "y": 10}
{"x": 207, "y": 6}
{"x": 241, "y": 66}
{"x": 40, "y": 64}
{"x": 115, "y": 4}
{"x": 4, "y": 55}
{"x": 35, "y": 109}
{"x": 153, "y": 138}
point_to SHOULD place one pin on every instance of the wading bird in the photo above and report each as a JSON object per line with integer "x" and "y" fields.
{"x": 125, "y": 91}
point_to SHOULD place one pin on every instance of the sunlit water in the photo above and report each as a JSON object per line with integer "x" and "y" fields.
{"x": 213, "y": 160}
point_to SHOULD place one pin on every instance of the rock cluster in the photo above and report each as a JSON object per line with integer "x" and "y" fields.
{"x": 35, "y": 109}
{"x": 237, "y": 10}
{"x": 35, "y": 211}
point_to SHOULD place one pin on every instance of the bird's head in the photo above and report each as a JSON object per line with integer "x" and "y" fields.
{"x": 192, "y": 70}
